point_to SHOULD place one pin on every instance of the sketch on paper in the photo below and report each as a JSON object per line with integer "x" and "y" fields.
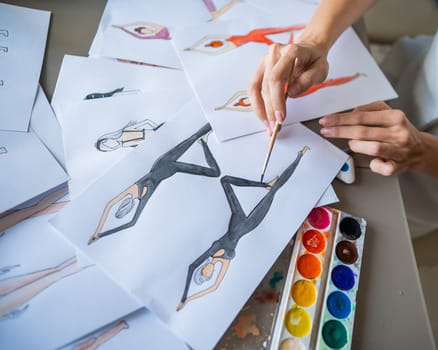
{"x": 4, "y": 32}
{"x": 163, "y": 168}
{"x": 240, "y": 101}
{"x": 3, "y": 150}
{"x": 206, "y": 273}
{"x": 1, "y": 83}
{"x": 145, "y": 30}
{"x": 219, "y": 44}
{"x": 96, "y": 95}
{"x": 217, "y": 12}
{"x": 128, "y": 136}
{"x": 6, "y": 269}
{"x": 100, "y": 337}
{"x": 19, "y": 290}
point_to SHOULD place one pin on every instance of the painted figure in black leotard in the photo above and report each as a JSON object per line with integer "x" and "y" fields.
{"x": 163, "y": 168}
{"x": 223, "y": 250}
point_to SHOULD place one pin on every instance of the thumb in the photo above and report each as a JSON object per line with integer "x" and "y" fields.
{"x": 383, "y": 167}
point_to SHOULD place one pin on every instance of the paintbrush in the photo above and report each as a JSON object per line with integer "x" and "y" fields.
{"x": 277, "y": 126}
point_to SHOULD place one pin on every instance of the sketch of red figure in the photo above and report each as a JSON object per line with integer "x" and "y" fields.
{"x": 215, "y": 12}
{"x": 17, "y": 291}
{"x": 145, "y": 30}
{"x": 240, "y": 101}
{"x": 219, "y": 44}
{"x": 206, "y": 273}
{"x": 100, "y": 337}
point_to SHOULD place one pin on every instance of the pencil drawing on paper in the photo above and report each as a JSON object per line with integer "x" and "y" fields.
{"x": 4, "y": 33}
{"x": 3, "y": 150}
{"x": 128, "y": 136}
{"x": 206, "y": 273}
{"x": 166, "y": 166}
{"x": 16, "y": 292}
{"x": 217, "y": 12}
{"x": 96, "y": 95}
{"x": 3, "y": 48}
{"x": 98, "y": 338}
{"x": 219, "y": 44}
{"x": 239, "y": 102}
{"x": 145, "y": 30}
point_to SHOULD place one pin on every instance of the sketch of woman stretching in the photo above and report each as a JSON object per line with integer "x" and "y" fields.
{"x": 219, "y": 44}
{"x": 223, "y": 250}
{"x": 145, "y": 30}
{"x": 164, "y": 167}
{"x": 129, "y": 136}
{"x": 18, "y": 290}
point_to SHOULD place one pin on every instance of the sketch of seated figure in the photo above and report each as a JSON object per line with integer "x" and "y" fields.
{"x": 166, "y": 166}
{"x": 206, "y": 273}
{"x": 215, "y": 12}
{"x": 17, "y": 291}
{"x": 145, "y": 30}
{"x": 219, "y": 44}
{"x": 129, "y": 136}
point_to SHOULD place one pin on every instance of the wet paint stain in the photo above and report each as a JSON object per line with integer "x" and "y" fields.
{"x": 277, "y": 277}
{"x": 246, "y": 325}
{"x": 268, "y": 297}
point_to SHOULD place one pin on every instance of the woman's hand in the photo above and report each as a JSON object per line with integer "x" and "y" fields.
{"x": 381, "y": 132}
{"x": 276, "y": 71}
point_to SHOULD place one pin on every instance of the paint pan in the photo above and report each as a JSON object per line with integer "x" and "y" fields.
{"x": 298, "y": 316}
{"x": 338, "y": 310}
{"x": 313, "y": 271}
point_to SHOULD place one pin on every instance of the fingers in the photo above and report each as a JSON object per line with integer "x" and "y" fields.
{"x": 358, "y": 132}
{"x": 374, "y": 106}
{"x": 308, "y": 78}
{"x": 255, "y": 93}
{"x": 269, "y": 84}
{"x": 384, "y": 167}
{"x": 383, "y": 118}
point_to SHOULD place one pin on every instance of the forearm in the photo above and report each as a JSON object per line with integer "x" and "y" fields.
{"x": 331, "y": 18}
{"x": 429, "y": 161}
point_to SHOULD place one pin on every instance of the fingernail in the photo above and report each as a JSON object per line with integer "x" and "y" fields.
{"x": 326, "y": 131}
{"x": 279, "y": 117}
{"x": 272, "y": 124}
{"x": 322, "y": 121}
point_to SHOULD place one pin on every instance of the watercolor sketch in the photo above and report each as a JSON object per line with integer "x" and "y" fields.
{"x": 222, "y": 251}
{"x": 3, "y": 150}
{"x": 164, "y": 167}
{"x": 129, "y": 136}
{"x": 240, "y": 101}
{"x": 19, "y": 290}
{"x": 100, "y": 337}
{"x": 145, "y": 30}
{"x": 217, "y": 12}
{"x": 219, "y": 44}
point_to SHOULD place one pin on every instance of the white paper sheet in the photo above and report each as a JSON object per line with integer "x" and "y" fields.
{"x": 187, "y": 213}
{"x": 97, "y": 133}
{"x": 117, "y": 36}
{"x": 139, "y": 330}
{"x": 67, "y": 300}
{"x": 28, "y": 169}
{"x": 23, "y": 34}
{"x": 46, "y": 127}
{"x": 220, "y": 80}
{"x": 82, "y": 76}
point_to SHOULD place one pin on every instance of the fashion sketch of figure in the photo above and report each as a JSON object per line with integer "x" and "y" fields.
{"x": 145, "y": 30}
{"x": 219, "y": 44}
{"x": 164, "y": 167}
{"x": 4, "y": 32}
{"x": 129, "y": 136}
{"x": 213, "y": 263}
{"x": 100, "y": 337}
{"x": 96, "y": 95}
{"x": 17, "y": 291}
{"x": 3, "y": 150}
{"x": 215, "y": 12}
{"x": 239, "y": 102}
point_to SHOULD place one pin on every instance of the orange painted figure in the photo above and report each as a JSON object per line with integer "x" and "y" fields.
{"x": 219, "y": 44}
{"x": 331, "y": 82}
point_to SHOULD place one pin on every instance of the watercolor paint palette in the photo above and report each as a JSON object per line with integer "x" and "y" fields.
{"x": 317, "y": 307}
